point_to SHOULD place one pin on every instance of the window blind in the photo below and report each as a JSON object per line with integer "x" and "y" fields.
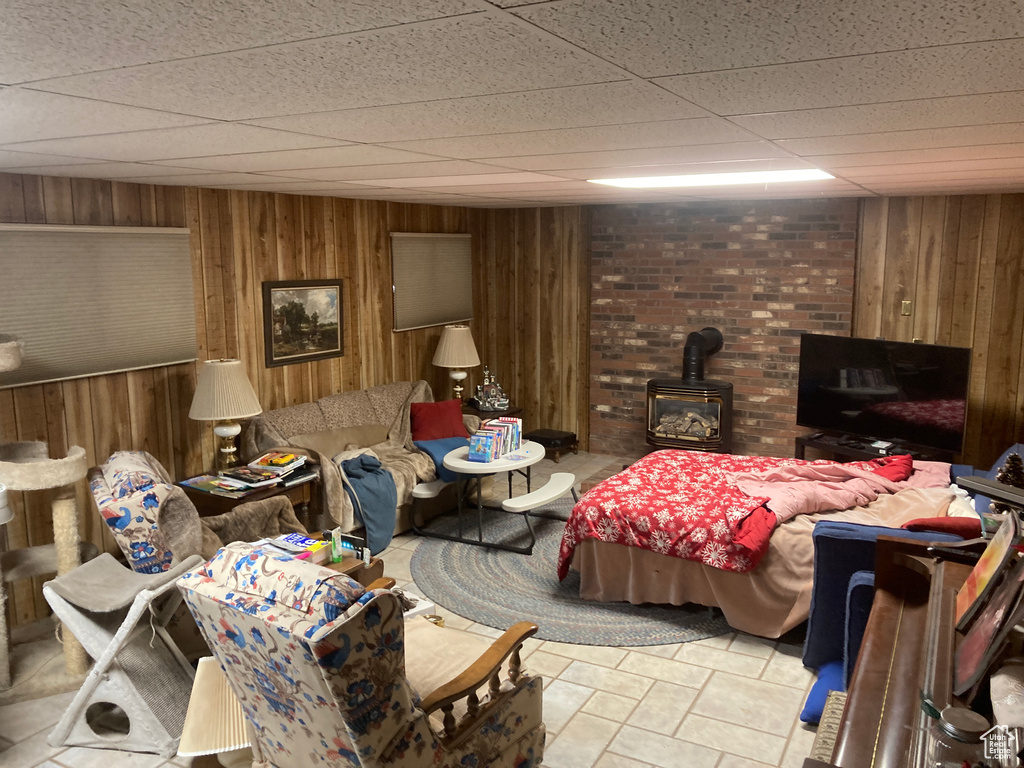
{"x": 432, "y": 279}
{"x": 91, "y": 300}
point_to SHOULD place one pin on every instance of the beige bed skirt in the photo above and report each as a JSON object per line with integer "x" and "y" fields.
{"x": 767, "y": 601}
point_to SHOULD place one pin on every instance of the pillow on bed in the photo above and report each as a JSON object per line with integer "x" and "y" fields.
{"x": 434, "y": 421}
{"x": 965, "y": 527}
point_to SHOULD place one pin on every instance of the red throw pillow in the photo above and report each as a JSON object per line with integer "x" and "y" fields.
{"x": 967, "y": 527}
{"x": 434, "y": 421}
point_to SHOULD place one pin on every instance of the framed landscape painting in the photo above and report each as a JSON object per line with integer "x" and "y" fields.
{"x": 301, "y": 321}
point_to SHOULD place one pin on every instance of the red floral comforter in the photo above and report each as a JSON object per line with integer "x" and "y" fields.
{"x": 683, "y": 503}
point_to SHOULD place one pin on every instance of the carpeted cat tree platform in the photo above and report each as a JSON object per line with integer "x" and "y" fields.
{"x": 27, "y": 466}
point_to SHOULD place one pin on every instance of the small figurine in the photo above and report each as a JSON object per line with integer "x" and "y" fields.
{"x": 489, "y": 395}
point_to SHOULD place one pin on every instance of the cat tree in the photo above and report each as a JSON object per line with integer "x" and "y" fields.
{"x": 27, "y": 466}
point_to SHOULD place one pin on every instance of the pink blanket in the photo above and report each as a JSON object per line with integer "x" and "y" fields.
{"x": 808, "y": 488}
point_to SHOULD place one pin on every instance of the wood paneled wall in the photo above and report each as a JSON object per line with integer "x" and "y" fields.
{"x": 959, "y": 260}
{"x": 530, "y": 297}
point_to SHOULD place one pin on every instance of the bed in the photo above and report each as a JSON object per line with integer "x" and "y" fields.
{"x": 678, "y": 527}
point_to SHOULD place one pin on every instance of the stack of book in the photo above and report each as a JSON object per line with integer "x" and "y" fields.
{"x": 272, "y": 468}
{"x": 298, "y": 546}
{"x": 496, "y": 438}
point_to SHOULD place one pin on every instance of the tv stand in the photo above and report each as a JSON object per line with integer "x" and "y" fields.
{"x": 857, "y": 448}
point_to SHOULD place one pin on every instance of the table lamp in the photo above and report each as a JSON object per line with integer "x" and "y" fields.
{"x": 457, "y": 351}
{"x": 224, "y": 394}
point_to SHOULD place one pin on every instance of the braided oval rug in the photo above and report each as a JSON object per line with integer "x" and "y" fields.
{"x": 497, "y": 588}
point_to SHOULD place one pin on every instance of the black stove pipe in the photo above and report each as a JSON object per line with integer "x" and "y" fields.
{"x": 699, "y": 345}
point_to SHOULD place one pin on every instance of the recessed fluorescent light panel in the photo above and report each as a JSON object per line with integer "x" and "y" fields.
{"x": 716, "y": 179}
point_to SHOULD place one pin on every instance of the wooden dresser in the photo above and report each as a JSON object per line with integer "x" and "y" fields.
{"x": 907, "y": 649}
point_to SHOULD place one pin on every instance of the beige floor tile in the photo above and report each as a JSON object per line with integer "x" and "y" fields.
{"x": 562, "y": 700}
{"x": 452, "y": 619}
{"x": 19, "y": 721}
{"x": 751, "y": 703}
{"x": 786, "y": 669}
{"x": 800, "y": 742}
{"x": 483, "y": 629}
{"x": 593, "y": 654}
{"x": 726, "y": 661}
{"x": 721, "y": 642}
{"x": 732, "y": 738}
{"x": 541, "y": 662}
{"x": 663, "y": 708}
{"x": 751, "y": 645}
{"x": 733, "y": 761}
{"x": 661, "y": 750}
{"x": 604, "y": 679}
{"x": 671, "y": 671}
{"x": 580, "y": 743}
{"x": 610, "y": 706}
{"x": 396, "y": 564}
{"x": 664, "y": 651}
{"x": 30, "y": 752}
{"x": 611, "y": 760}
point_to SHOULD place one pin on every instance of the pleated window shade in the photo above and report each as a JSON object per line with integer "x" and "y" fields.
{"x": 432, "y": 279}
{"x": 92, "y": 300}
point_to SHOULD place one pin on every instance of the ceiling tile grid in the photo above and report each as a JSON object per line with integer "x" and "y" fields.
{"x": 516, "y": 102}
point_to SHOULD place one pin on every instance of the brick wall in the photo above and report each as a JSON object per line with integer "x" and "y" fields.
{"x": 761, "y": 272}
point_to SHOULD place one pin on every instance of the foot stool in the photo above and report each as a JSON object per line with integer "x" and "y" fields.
{"x": 554, "y": 441}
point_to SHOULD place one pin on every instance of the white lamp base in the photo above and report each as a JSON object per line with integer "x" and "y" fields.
{"x": 227, "y": 450}
{"x": 457, "y": 376}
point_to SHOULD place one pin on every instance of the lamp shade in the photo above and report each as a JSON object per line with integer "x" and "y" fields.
{"x": 223, "y": 393}
{"x": 456, "y": 348}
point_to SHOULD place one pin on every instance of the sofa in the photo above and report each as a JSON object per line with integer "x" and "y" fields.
{"x": 345, "y": 425}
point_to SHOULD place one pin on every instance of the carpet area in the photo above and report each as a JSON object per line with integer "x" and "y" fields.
{"x": 497, "y": 589}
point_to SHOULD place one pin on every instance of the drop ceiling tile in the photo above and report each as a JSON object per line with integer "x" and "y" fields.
{"x": 1006, "y": 133}
{"x": 460, "y": 181}
{"x": 980, "y": 168}
{"x": 392, "y": 171}
{"x": 893, "y": 116}
{"x": 203, "y": 179}
{"x": 867, "y": 177}
{"x": 92, "y": 170}
{"x": 945, "y": 187}
{"x": 631, "y": 101}
{"x": 298, "y": 159}
{"x": 944, "y": 154}
{"x": 466, "y": 56}
{"x": 507, "y": 189}
{"x": 57, "y": 38}
{"x": 950, "y": 70}
{"x": 11, "y": 160}
{"x": 172, "y": 143}
{"x": 667, "y": 133}
{"x": 747, "y": 150}
{"x": 665, "y": 37}
{"x": 267, "y": 184}
{"x": 32, "y": 115}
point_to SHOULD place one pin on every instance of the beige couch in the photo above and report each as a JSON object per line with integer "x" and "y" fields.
{"x": 340, "y": 426}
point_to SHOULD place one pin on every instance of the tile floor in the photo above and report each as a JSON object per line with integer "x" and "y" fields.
{"x": 725, "y": 702}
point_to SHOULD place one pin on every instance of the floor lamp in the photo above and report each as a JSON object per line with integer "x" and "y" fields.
{"x": 224, "y": 395}
{"x": 457, "y": 351}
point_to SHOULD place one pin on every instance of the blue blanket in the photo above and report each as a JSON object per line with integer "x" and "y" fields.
{"x": 437, "y": 449}
{"x": 374, "y": 498}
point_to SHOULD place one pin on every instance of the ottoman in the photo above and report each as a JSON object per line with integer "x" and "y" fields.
{"x": 554, "y": 441}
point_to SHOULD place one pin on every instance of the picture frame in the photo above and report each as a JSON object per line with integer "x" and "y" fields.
{"x": 302, "y": 321}
{"x": 986, "y": 573}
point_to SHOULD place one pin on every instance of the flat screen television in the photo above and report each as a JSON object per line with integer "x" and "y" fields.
{"x": 914, "y": 394}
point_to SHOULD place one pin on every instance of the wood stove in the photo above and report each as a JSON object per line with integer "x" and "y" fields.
{"x": 691, "y": 413}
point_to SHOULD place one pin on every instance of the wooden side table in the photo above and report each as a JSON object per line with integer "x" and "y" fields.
{"x": 354, "y": 568}
{"x": 511, "y": 411}
{"x": 302, "y": 497}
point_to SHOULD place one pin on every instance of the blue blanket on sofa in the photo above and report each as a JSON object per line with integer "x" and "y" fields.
{"x": 374, "y": 499}
{"x": 438, "y": 449}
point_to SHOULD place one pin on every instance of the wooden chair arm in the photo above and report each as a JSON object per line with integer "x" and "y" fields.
{"x": 384, "y": 582}
{"x": 483, "y": 669}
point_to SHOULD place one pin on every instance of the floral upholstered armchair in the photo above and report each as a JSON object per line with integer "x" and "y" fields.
{"x": 322, "y": 669}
